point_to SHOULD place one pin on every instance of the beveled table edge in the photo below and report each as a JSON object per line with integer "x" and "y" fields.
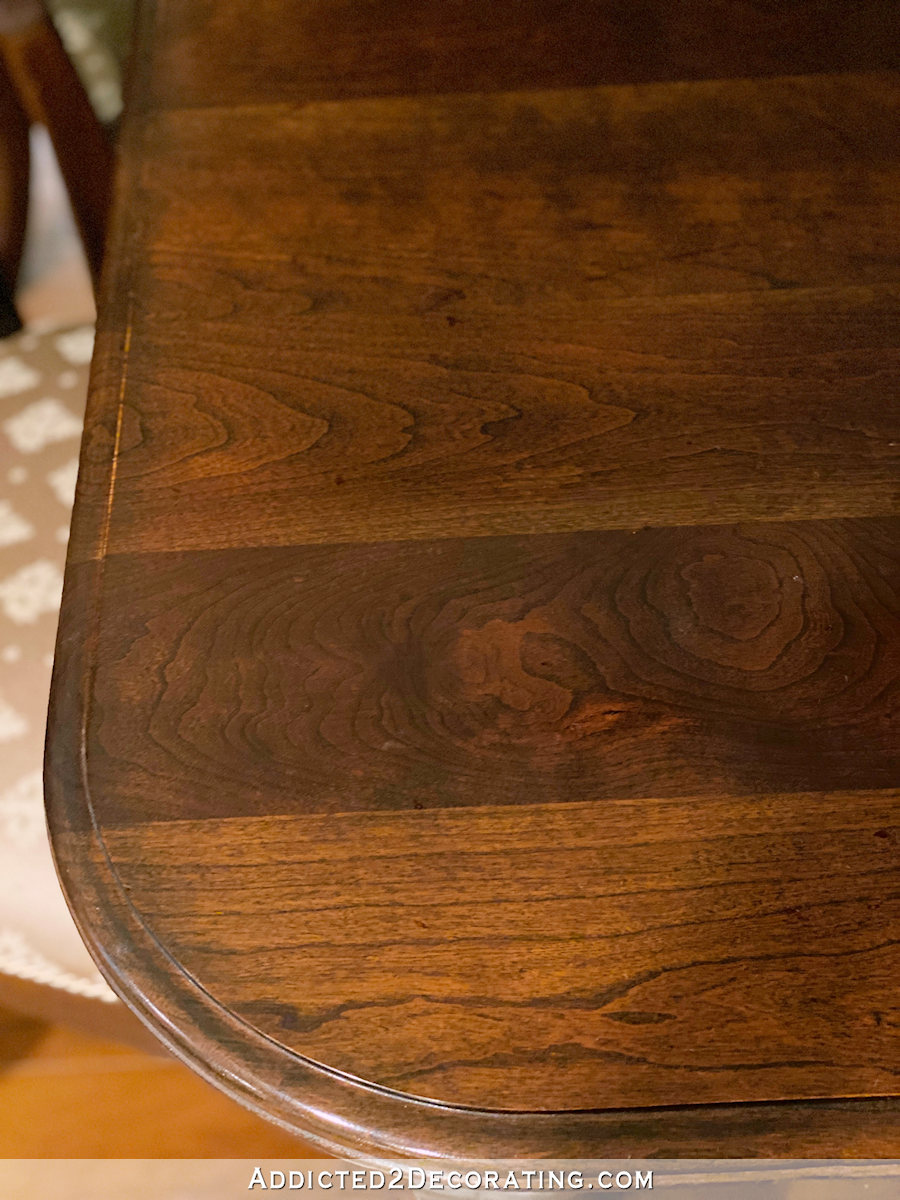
{"x": 334, "y": 1111}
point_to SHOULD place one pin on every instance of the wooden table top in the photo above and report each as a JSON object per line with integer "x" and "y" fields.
{"x": 474, "y": 719}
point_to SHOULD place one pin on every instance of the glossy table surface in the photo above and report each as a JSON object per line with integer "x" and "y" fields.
{"x": 474, "y": 717}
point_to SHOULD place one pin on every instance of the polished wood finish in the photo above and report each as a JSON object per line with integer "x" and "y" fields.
{"x": 474, "y": 720}
{"x": 494, "y": 960}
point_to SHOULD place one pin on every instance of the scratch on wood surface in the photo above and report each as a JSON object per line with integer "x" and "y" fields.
{"x": 120, "y": 408}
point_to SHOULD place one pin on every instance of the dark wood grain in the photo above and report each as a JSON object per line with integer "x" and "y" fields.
{"x": 441, "y": 953}
{"x": 474, "y": 726}
{"x": 296, "y": 50}
{"x": 444, "y": 674}
{"x": 658, "y": 305}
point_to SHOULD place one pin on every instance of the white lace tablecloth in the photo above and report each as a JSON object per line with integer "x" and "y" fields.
{"x": 43, "y": 381}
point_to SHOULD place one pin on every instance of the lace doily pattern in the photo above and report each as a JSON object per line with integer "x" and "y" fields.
{"x": 22, "y": 814}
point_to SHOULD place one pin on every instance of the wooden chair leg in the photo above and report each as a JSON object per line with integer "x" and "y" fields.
{"x": 9, "y": 318}
{"x": 14, "y": 163}
{"x": 51, "y": 93}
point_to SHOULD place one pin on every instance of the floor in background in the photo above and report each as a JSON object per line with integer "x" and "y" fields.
{"x": 66, "y": 1095}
